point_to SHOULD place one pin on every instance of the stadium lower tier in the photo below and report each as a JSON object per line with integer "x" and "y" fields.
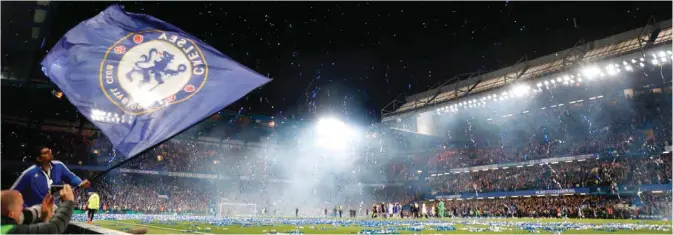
{"x": 576, "y": 206}
{"x": 607, "y": 171}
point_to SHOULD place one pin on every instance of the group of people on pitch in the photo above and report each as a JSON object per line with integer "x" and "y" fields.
{"x": 29, "y": 206}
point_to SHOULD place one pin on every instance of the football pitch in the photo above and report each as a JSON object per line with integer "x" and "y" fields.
{"x": 204, "y": 225}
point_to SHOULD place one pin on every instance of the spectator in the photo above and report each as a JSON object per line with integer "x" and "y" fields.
{"x": 12, "y": 204}
{"x": 35, "y": 182}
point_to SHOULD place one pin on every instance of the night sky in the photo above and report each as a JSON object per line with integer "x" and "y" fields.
{"x": 353, "y": 58}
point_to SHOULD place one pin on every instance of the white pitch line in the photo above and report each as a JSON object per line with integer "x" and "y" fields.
{"x": 150, "y": 226}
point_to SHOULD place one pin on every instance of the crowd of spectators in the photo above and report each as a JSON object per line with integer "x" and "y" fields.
{"x": 561, "y": 206}
{"x": 149, "y": 194}
{"x": 606, "y": 126}
{"x": 627, "y": 171}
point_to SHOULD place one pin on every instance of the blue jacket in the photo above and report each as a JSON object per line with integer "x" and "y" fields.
{"x": 34, "y": 183}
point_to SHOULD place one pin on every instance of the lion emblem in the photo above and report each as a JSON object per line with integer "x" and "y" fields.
{"x": 154, "y": 66}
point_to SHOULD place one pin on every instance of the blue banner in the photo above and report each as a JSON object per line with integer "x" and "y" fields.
{"x": 141, "y": 80}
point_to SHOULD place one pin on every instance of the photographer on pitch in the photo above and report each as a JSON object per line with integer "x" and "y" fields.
{"x": 53, "y": 222}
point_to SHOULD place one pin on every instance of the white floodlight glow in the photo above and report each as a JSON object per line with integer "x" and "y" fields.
{"x": 628, "y": 68}
{"x": 579, "y": 79}
{"x": 591, "y": 72}
{"x": 663, "y": 59}
{"x": 539, "y": 84}
{"x": 559, "y": 79}
{"x": 669, "y": 52}
{"x": 611, "y": 70}
{"x": 655, "y": 62}
{"x": 333, "y": 134}
{"x": 662, "y": 54}
{"x": 634, "y": 61}
{"x": 642, "y": 59}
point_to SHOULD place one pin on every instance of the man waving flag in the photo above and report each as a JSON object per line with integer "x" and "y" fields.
{"x": 142, "y": 80}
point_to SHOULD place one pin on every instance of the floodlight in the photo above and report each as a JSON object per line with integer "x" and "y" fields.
{"x": 655, "y": 62}
{"x": 332, "y": 133}
{"x": 611, "y": 70}
{"x": 591, "y": 72}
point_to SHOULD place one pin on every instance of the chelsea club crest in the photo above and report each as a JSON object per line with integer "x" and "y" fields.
{"x": 146, "y": 71}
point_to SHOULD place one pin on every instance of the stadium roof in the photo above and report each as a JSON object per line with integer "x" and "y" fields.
{"x": 630, "y": 42}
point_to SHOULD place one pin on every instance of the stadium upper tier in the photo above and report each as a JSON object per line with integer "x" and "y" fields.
{"x": 634, "y": 44}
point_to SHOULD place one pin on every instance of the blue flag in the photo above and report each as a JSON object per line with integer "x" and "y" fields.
{"x": 142, "y": 80}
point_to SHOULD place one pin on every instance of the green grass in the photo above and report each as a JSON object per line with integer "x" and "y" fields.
{"x": 182, "y": 227}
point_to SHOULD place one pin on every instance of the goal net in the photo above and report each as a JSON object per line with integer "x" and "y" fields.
{"x": 236, "y": 209}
